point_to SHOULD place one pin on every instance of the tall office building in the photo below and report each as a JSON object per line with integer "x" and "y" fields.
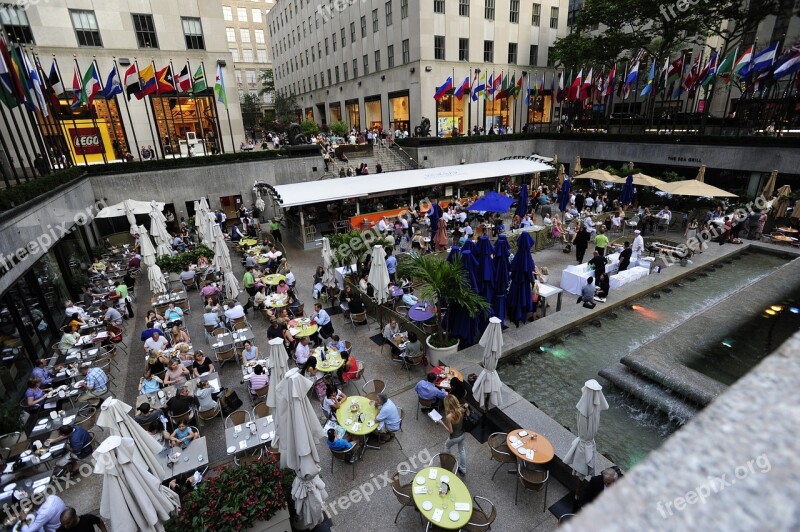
{"x": 378, "y": 63}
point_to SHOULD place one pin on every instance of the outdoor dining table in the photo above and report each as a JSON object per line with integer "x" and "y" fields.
{"x": 332, "y": 362}
{"x": 194, "y": 456}
{"x": 444, "y": 375}
{"x": 24, "y": 488}
{"x": 277, "y": 300}
{"x": 34, "y": 457}
{"x": 157, "y": 400}
{"x": 341, "y": 272}
{"x": 166, "y": 299}
{"x": 788, "y": 230}
{"x": 46, "y": 425}
{"x": 357, "y": 416}
{"x": 450, "y": 510}
{"x": 548, "y": 290}
{"x": 302, "y": 327}
{"x": 422, "y": 312}
{"x": 529, "y": 446}
{"x": 89, "y": 340}
{"x": 91, "y": 326}
{"x": 247, "y": 367}
{"x": 243, "y": 437}
{"x": 273, "y": 279}
{"x": 229, "y": 339}
{"x": 248, "y": 242}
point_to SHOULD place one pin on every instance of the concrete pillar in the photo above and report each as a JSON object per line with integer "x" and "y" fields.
{"x": 754, "y": 184}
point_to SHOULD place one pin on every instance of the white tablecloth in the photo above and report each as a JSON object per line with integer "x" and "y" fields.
{"x": 628, "y": 276}
{"x": 340, "y": 274}
{"x": 573, "y": 278}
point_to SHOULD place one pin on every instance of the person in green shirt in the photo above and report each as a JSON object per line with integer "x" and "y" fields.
{"x": 275, "y": 230}
{"x": 122, "y": 291}
{"x": 249, "y": 282}
{"x": 601, "y": 241}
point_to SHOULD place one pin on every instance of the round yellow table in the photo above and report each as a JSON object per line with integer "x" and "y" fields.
{"x": 349, "y": 419}
{"x": 248, "y": 242}
{"x": 305, "y": 328}
{"x": 428, "y": 503}
{"x": 333, "y": 359}
{"x": 277, "y": 300}
{"x": 273, "y": 279}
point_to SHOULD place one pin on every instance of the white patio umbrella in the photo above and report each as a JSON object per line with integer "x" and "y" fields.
{"x": 487, "y": 385}
{"x": 329, "y": 271}
{"x": 158, "y": 227}
{"x": 208, "y": 226}
{"x": 379, "y": 275}
{"x": 128, "y": 208}
{"x": 299, "y": 429}
{"x": 130, "y": 216}
{"x": 200, "y": 223}
{"x": 157, "y": 282}
{"x": 114, "y": 416}
{"x": 581, "y": 455}
{"x": 278, "y": 366}
{"x": 259, "y": 200}
{"x": 132, "y": 498}
{"x": 222, "y": 260}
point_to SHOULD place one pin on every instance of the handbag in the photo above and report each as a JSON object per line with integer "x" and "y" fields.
{"x": 471, "y": 420}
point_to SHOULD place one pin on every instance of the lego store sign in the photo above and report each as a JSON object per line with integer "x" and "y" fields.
{"x": 87, "y": 140}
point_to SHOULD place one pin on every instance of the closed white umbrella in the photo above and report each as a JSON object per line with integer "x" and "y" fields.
{"x": 329, "y": 272}
{"x": 581, "y": 456}
{"x": 158, "y": 284}
{"x": 299, "y": 430}
{"x": 200, "y": 222}
{"x": 278, "y": 366}
{"x": 114, "y": 416}
{"x": 259, "y": 200}
{"x": 222, "y": 261}
{"x": 158, "y": 227}
{"x": 206, "y": 221}
{"x": 130, "y": 216}
{"x": 487, "y": 385}
{"x": 132, "y": 499}
{"x": 379, "y": 274}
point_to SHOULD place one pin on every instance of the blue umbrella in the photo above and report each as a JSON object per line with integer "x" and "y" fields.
{"x": 501, "y": 276}
{"x": 434, "y": 213}
{"x": 522, "y": 205}
{"x": 563, "y": 196}
{"x": 627, "y": 192}
{"x": 454, "y": 253}
{"x": 520, "y": 298}
{"x": 492, "y": 202}
{"x": 457, "y": 320}
{"x": 485, "y": 274}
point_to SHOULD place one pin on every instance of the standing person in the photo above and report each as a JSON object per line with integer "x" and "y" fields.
{"x": 453, "y": 423}
{"x": 581, "y": 242}
{"x": 249, "y": 281}
{"x": 601, "y": 241}
{"x": 625, "y": 257}
{"x": 86, "y": 522}
{"x": 275, "y": 230}
{"x": 391, "y": 264}
{"x": 597, "y": 263}
{"x": 637, "y": 248}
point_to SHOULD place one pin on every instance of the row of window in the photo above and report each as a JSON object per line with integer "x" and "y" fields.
{"x": 488, "y": 51}
{"x": 247, "y": 55}
{"x": 513, "y": 14}
{"x": 244, "y": 35}
{"x": 241, "y": 14}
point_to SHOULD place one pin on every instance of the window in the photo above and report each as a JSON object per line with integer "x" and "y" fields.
{"x": 512, "y": 53}
{"x": 257, "y": 16}
{"x": 377, "y": 60}
{"x": 238, "y": 77}
{"x": 235, "y": 53}
{"x": 193, "y": 32}
{"x": 262, "y": 56}
{"x": 488, "y": 51}
{"x": 534, "y": 57}
{"x": 330, "y": 81}
{"x": 513, "y": 15}
{"x": 319, "y": 50}
{"x": 366, "y": 63}
{"x": 259, "y": 36}
{"x": 313, "y": 56}
{"x": 346, "y": 75}
{"x": 145, "y": 31}
{"x": 16, "y": 25}
{"x": 231, "y": 34}
{"x": 247, "y": 55}
{"x": 403, "y": 9}
{"x": 363, "y": 26}
{"x": 388, "y": 7}
{"x": 536, "y": 13}
{"x": 374, "y": 21}
{"x": 251, "y": 77}
{"x": 241, "y": 14}
{"x": 406, "y": 57}
{"x": 326, "y": 46}
{"x": 341, "y": 33}
{"x": 227, "y": 13}
{"x": 554, "y": 18}
{"x": 390, "y": 55}
{"x": 438, "y": 47}
{"x": 86, "y": 29}
{"x": 488, "y": 10}
{"x": 315, "y": 81}
{"x": 551, "y": 59}
{"x": 355, "y": 68}
{"x": 333, "y": 39}
{"x": 244, "y": 35}
{"x": 463, "y": 8}
{"x": 352, "y": 32}
{"x": 438, "y": 6}
{"x": 336, "y": 71}
{"x": 463, "y": 49}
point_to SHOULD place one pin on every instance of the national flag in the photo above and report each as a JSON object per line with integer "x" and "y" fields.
{"x": 479, "y": 87}
{"x": 552, "y": 86}
{"x": 743, "y": 60}
{"x": 496, "y": 84}
{"x": 561, "y": 93}
{"x": 575, "y": 87}
{"x": 165, "y": 83}
{"x": 184, "y": 83}
{"x": 611, "y": 79}
{"x": 34, "y": 84}
{"x": 586, "y": 87}
{"x": 132, "y": 81}
{"x": 690, "y": 81}
{"x": 199, "y": 80}
{"x": 22, "y": 79}
{"x": 633, "y": 75}
{"x": 726, "y": 67}
{"x": 462, "y": 87}
{"x": 675, "y": 70}
{"x": 528, "y": 92}
{"x": 76, "y": 88}
{"x": 709, "y": 72}
{"x": 762, "y": 61}
{"x": 789, "y": 63}
{"x": 219, "y": 87}
{"x": 600, "y": 87}
{"x": 680, "y": 81}
{"x": 147, "y": 82}
{"x": 10, "y": 75}
{"x": 441, "y": 91}
{"x": 54, "y": 80}
{"x": 518, "y": 90}
{"x": 7, "y": 95}
{"x": 91, "y": 85}
{"x": 113, "y": 86}
{"x": 503, "y": 92}
{"x": 490, "y": 85}
{"x": 651, "y": 76}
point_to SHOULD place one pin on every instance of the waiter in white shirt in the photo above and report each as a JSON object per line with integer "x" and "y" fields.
{"x": 637, "y": 248}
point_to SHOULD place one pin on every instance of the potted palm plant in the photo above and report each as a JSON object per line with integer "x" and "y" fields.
{"x": 442, "y": 282}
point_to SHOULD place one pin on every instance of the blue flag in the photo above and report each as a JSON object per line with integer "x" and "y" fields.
{"x": 113, "y": 85}
{"x": 650, "y": 78}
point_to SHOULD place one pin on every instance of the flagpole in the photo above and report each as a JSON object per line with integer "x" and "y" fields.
{"x": 21, "y": 103}
{"x": 41, "y": 140}
{"x": 71, "y": 115}
{"x": 28, "y": 119}
{"x": 199, "y": 121}
{"x": 453, "y": 104}
{"x": 91, "y": 114}
{"x": 108, "y": 110}
{"x": 167, "y": 114}
{"x": 469, "y": 104}
{"x": 16, "y": 149}
{"x": 127, "y": 109}
{"x": 178, "y": 103}
{"x": 216, "y": 114}
{"x": 54, "y": 111}
{"x": 156, "y": 145}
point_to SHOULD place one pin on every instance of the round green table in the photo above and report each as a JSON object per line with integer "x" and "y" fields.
{"x": 457, "y": 495}
{"x": 248, "y": 242}
{"x": 349, "y": 419}
{"x": 273, "y": 279}
{"x": 333, "y": 359}
{"x": 305, "y": 328}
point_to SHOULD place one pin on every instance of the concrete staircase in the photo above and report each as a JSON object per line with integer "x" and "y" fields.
{"x": 388, "y": 158}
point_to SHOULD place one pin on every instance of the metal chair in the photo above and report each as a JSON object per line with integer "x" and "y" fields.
{"x": 248, "y": 459}
{"x": 258, "y": 395}
{"x": 237, "y": 418}
{"x": 90, "y": 416}
{"x": 372, "y": 388}
{"x": 208, "y": 415}
{"x": 409, "y": 362}
{"x": 218, "y": 330}
{"x": 424, "y": 403}
{"x": 500, "y": 451}
{"x": 180, "y": 418}
{"x": 237, "y": 326}
{"x": 358, "y": 319}
{"x": 446, "y": 461}
{"x": 402, "y": 492}
{"x": 260, "y": 410}
{"x": 225, "y": 356}
{"x": 342, "y": 455}
{"x": 564, "y": 518}
{"x": 532, "y": 479}
{"x": 482, "y": 518}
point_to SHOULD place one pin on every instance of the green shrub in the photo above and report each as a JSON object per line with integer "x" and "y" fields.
{"x": 175, "y": 264}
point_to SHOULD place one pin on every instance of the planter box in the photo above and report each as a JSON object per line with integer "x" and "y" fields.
{"x": 280, "y": 523}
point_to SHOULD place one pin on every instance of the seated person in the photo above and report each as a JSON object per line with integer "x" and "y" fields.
{"x": 410, "y": 299}
{"x": 179, "y": 336}
{"x": 95, "y": 385}
{"x": 34, "y": 396}
{"x": 598, "y": 484}
{"x": 181, "y": 403}
{"x": 587, "y": 294}
{"x": 334, "y": 398}
{"x": 75, "y": 322}
{"x": 183, "y": 435}
{"x": 249, "y": 351}
{"x": 149, "y": 383}
{"x": 202, "y": 364}
{"x": 336, "y": 343}
{"x": 349, "y": 369}
{"x": 388, "y": 417}
{"x": 234, "y": 313}
{"x": 339, "y": 445}
{"x": 187, "y": 274}
{"x": 260, "y": 297}
{"x": 206, "y": 396}
{"x": 110, "y": 314}
{"x": 258, "y": 379}
{"x": 603, "y": 287}
{"x": 78, "y": 445}
{"x": 302, "y": 351}
{"x": 43, "y": 373}
{"x": 356, "y": 304}
{"x": 413, "y": 348}
{"x": 135, "y": 261}
{"x": 176, "y": 374}
{"x": 210, "y": 317}
{"x": 210, "y": 292}
{"x": 157, "y": 362}
{"x": 70, "y": 520}
{"x": 157, "y": 432}
{"x": 68, "y": 339}
{"x": 294, "y": 303}
{"x": 173, "y": 315}
{"x": 147, "y": 415}
{"x": 427, "y": 391}
{"x": 282, "y": 287}
{"x": 389, "y": 331}
{"x": 156, "y": 342}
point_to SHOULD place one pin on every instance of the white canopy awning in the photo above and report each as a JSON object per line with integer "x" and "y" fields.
{"x": 135, "y": 206}
{"x": 310, "y": 192}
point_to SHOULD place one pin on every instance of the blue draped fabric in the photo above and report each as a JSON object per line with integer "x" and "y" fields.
{"x": 563, "y": 196}
{"x": 520, "y": 297}
{"x": 522, "y": 204}
{"x": 492, "y": 202}
{"x": 627, "y": 192}
{"x": 485, "y": 276}
{"x": 500, "y": 267}
{"x": 434, "y": 213}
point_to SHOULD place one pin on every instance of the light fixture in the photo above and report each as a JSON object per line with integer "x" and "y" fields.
{"x": 428, "y": 69}
{"x": 794, "y": 310}
{"x": 413, "y": 70}
{"x": 770, "y": 312}
{"x": 222, "y": 62}
{"x": 776, "y": 308}
{"x": 383, "y": 78}
{"x": 124, "y": 61}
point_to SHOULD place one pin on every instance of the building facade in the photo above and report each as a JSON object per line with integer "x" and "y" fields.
{"x": 378, "y": 63}
{"x": 174, "y": 48}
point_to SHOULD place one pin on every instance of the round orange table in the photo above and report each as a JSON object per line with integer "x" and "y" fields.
{"x": 543, "y": 450}
{"x": 444, "y": 382}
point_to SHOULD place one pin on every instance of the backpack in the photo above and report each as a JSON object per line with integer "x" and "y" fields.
{"x": 229, "y": 401}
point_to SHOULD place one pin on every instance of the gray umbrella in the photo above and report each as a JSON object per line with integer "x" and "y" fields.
{"x": 582, "y": 454}
{"x": 278, "y": 366}
{"x": 329, "y": 271}
{"x": 299, "y": 429}
{"x": 114, "y": 416}
{"x": 379, "y": 274}
{"x": 158, "y": 226}
{"x": 158, "y": 284}
{"x": 132, "y": 498}
{"x": 222, "y": 260}
{"x": 488, "y": 384}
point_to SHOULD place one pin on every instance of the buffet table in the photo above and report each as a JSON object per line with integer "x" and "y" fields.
{"x": 573, "y": 278}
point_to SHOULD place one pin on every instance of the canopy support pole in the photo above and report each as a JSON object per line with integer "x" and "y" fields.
{"x": 358, "y": 208}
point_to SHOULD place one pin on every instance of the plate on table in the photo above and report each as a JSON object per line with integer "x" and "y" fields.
{"x": 427, "y": 506}
{"x": 348, "y": 421}
{"x": 454, "y": 516}
{"x": 26, "y": 453}
{"x": 265, "y": 436}
{"x": 45, "y": 456}
{"x": 41, "y": 422}
{"x": 77, "y": 384}
{"x": 10, "y": 487}
{"x": 445, "y": 479}
{"x": 231, "y": 449}
{"x": 420, "y": 480}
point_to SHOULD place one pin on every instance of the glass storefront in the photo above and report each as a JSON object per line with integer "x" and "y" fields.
{"x": 373, "y": 112}
{"x": 399, "y": 117}
{"x": 450, "y": 114}
{"x": 353, "y": 114}
{"x": 184, "y": 123}
{"x": 540, "y": 108}
{"x": 496, "y": 113}
{"x": 336, "y": 111}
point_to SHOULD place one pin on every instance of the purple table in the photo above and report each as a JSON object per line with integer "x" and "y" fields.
{"x": 397, "y": 292}
{"x": 417, "y": 313}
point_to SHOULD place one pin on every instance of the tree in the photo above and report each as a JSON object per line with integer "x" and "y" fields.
{"x": 251, "y": 112}
{"x": 309, "y": 127}
{"x": 267, "y": 81}
{"x": 285, "y": 109}
{"x": 339, "y": 128}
